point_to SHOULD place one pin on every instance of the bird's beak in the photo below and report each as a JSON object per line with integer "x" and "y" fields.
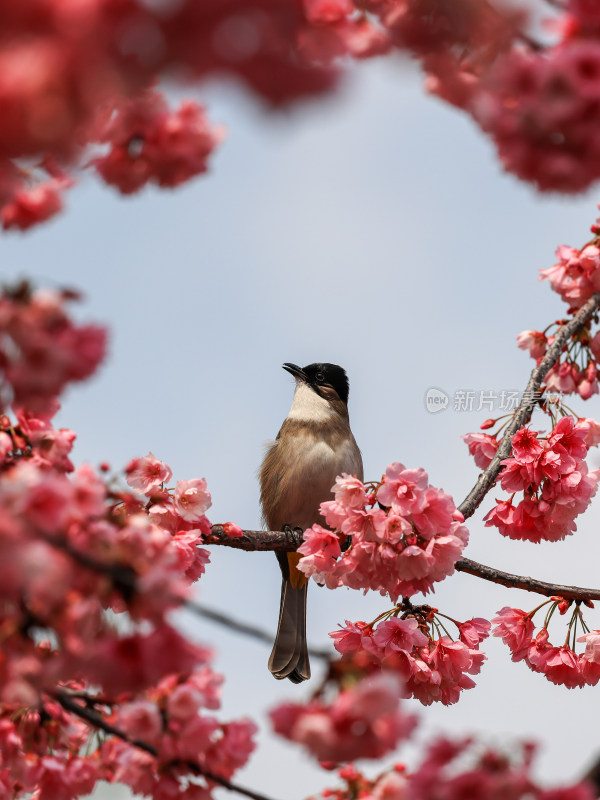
{"x": 296, "y": 371}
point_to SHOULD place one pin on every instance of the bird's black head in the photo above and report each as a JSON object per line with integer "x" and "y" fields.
{"x": 322, "y": 375}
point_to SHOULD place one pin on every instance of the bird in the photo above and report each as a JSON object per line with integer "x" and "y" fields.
{"x": 314, "y": 445}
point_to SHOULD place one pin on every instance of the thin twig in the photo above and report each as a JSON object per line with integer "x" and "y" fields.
{"x": 97, "y": 721}
{"x": 243, "y": 627}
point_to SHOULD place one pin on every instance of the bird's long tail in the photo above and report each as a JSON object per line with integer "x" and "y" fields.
{"x": 289, "y": 657}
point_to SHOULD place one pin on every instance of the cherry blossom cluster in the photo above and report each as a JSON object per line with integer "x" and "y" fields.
{"x": 575, "y": 277}
{"x": 455, "y": 769}
{"x": 148, "y": 142}
{"x": 539, "y": 103}
{"x": 75, "y": 78}
{"x": 404, "y": 535}
{"x": 41, "y": 349}
{"x": 553, "y": 477}
{"x": 540, "y": 108}
{"x": 71, "y": 548}
{"x": 559, "y": 664}
{"x": 78, "y": 82}
{"x": 41, "y": 748}
{"x": 417, "y": 647}
{"x": 41, "y": 745}
{"x": 88, "y": 574}
{"x": 363, "y": 721}
{"x": 171, "y": 718}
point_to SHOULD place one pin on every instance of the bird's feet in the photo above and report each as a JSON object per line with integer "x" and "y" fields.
{"x": 294, "y": 535}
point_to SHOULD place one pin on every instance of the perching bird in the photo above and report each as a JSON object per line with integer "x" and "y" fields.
{"x": 314, "y": 446}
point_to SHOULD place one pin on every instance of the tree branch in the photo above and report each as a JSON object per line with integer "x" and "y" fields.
{"x": 97, "y": 721}
{"x": 528, "y": 584}
{"x": 523, "y": 413}
{"x": 278, "y": 541}
{"x": 242, "y": 627}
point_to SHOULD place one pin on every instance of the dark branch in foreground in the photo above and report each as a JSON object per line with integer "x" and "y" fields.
{"x": 592, "y": 776}
{"x": 523, "y": 414}
{"x": 242, "y": 627}
{"x": 97, "y": 721}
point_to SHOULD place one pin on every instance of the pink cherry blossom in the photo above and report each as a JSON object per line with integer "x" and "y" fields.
{"x": 147, "y": 473}
{"x": 363, "y": 722}
{"x": 150, "y": 143}
{"x": 482, "y": 447}
{"x": 591, "y": 430}
{"x": 474, "y": 631}
{"x": 592, "y": 646}
{"x": 29, "y": 206}
{"x": 349, "y": 492}
{"x": 141, "y": 720}
{"x": 398, "y": 550}
{"x": 554, "y": 478}
{"x": 397, "y": 634}
{"x": 320, "y": 551}
{"x": 576, "y": 276}
{"x": 534, "y": 341}
{"x": 401, "y": 489}
{"x": 515, "y": 628}
{"x": 192, "y": 499}
{"x": 350, "y": 638}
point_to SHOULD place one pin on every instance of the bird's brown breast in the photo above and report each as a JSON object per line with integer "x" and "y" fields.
{"x": 300, "y": 468}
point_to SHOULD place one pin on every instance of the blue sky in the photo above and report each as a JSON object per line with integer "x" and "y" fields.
{"x": 375, "y": 230}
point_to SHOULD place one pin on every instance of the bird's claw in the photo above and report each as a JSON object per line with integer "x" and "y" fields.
{"x": 292, "y": 534}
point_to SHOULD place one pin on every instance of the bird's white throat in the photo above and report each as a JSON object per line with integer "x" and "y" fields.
{"x": 308, "y": 405}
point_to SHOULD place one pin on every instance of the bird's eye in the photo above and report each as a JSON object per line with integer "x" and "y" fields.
{"x": 320, "y": 377}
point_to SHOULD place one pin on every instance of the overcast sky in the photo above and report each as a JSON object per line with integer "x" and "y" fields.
{"x": 375, "y": 230}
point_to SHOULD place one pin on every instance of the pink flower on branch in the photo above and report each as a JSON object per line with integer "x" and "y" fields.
{"x": 455, "y": 769}
{"x": 192, "y": 499}
{"x": 432, "y": 667}
{"x": 400, "y": 549}
{"x": 560, "y": 665}
{"x": 363, "y": 722}
{"x": 41, "y": 349}
{"x": 147, "y": 473}
{"x": 150, "y": 143}
{"x": 482, "y": 447}
{"x": 534, "y": 341}
{"x": 554, "y": 479}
